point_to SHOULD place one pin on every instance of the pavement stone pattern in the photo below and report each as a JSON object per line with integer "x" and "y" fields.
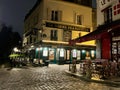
{"x": 46, "y": 78}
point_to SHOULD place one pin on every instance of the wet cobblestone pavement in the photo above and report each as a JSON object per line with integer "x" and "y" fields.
{"x": 43, "y": 78}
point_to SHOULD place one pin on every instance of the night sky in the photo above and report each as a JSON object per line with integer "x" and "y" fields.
{"x": 12, "y": 12}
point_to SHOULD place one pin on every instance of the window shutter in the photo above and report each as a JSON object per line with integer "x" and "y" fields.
{"x": 75, "y": 18}
{"x": 48, "y": 14}
{"x": 59, "y": 15}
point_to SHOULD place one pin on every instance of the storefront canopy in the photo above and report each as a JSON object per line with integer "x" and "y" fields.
{"x": 99, "y": 33}
{"x": 16, "y": 55}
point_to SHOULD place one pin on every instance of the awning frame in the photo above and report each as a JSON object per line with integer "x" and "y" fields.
{"x": 98, "y": 33}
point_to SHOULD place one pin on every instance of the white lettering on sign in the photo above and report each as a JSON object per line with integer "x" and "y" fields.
{"x": 116, "y": 38}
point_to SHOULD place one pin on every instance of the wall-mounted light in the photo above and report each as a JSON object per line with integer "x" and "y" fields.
{"x": 83, "y": 51}
{"x": 16, "y": 49}
{"x": 37, "y": 49}
{"x": 32, "y": 46}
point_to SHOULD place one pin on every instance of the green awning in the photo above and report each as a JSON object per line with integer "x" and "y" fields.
{"x": 15, "y": 55}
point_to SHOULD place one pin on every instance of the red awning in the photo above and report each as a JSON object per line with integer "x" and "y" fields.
{"x": 88, "y": 37}
{"x": 101, "y": 31}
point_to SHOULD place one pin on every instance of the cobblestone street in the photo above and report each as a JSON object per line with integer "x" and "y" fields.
{"x": 43, "y": 78}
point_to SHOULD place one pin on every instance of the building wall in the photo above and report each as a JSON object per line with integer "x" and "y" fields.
{"x": 81, "y": 2}
{"x": 68, "y": 12}
{"x": 108, "y": 11}
{"x": 101, "y": 7}
{"x": 67, "y": 17}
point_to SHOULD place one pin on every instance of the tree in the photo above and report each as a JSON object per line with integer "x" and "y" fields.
{"x": 8, "y": 40}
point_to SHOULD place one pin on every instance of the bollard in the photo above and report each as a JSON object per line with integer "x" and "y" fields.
{"x": 70, "y": 67}
{"x": 74, "y": 69}
{"x": 88, "y": 69}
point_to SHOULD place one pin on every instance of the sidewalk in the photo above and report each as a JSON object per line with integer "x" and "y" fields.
{"x": 114, "y": 81}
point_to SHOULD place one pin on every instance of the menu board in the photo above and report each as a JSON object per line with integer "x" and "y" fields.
{"x": 114, "y": 48}
{"x": 118, "y": 47}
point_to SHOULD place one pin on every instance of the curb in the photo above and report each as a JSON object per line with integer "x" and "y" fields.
{"x": 108, "y": 82}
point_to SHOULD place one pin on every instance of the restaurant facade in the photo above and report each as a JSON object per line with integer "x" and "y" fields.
{"x": 50, "y": 25}
{"x": 107, "y": 34}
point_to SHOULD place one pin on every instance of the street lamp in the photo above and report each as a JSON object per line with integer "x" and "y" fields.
{"x": 16, "y": 49}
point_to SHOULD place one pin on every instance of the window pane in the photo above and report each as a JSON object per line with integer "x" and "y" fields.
{"x": 52, "y": 15}
{"x": 79, "y": 19}
{"x": 54, "y": 35}
{"x": 56, "y": 15}
{"x": 108, "y": 15}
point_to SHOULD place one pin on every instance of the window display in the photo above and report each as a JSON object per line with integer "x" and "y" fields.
{"x": 45, "y": 52}
{"x": 57, "y": 54}
{"x": 68, "y": 54}
{"x": 51, "y": 54}
{"x": 78, "y": 55}
{"x": 87, "y": 55}
{"x": 61, "y": 52}
{"x": 74, "y": 53}
{"x": 92, "y": 54}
